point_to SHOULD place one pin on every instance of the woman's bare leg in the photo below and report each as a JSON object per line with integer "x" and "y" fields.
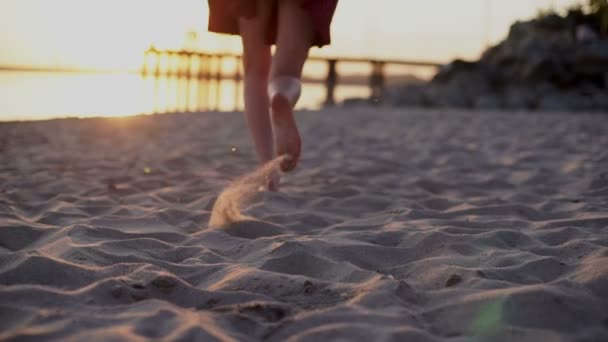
{"x": 294, "y": 38}
{"x": 256, "y": 65}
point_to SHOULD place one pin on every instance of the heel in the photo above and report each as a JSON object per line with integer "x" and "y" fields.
{"x": 287, "y": 86}
{"x": 284, "y": 93}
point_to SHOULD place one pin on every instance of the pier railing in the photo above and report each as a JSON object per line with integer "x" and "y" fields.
{"x": 207, "y": 71}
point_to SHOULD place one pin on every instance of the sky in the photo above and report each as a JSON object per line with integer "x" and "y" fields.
{"x": 114, "y": 33}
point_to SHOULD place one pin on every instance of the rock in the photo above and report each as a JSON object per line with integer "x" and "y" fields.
{"x": 596, "y": 52}
{"x": 449, "y": 95}
{"x": 552, "y": 102}
{"x": 487, "y": 101}
{"x": 453, "y": 69}
{"x": 411, "y": 95}
{"x": 577, "y": 100}
{"x": 585, "y": 34}
{"x": 591, "y": 63}
{"x": 552, "y": 22}
{"x": 550, "y": 63}
{"x": 519, "y": 97}
{"x": 600, "y": 100}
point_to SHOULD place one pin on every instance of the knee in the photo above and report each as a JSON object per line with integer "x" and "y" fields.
{"x": 256, "y": 65}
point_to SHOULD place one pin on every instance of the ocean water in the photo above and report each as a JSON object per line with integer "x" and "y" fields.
{"x": 45, "y": 95}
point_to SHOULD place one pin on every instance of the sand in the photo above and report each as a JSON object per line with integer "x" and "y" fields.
{"x": 398, "y": 225}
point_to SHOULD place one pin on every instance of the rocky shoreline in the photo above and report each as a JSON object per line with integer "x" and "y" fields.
{"x": 549, "y": 63}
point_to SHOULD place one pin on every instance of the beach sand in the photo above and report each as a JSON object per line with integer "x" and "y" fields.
{"x": 398, "y": 225}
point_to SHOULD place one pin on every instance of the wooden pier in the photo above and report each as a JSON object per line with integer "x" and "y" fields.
{"x": 207, "y": 71}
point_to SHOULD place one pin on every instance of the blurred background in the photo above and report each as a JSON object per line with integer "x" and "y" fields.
{"x": 113, "y": 57}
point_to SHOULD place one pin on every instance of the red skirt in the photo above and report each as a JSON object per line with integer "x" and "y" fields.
{"x": 224, "y": 17}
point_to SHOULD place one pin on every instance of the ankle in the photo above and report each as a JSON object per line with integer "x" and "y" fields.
{"x": 288, "y": 86}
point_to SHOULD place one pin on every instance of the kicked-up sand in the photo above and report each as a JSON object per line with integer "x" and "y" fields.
{"x": 398, "y": 225}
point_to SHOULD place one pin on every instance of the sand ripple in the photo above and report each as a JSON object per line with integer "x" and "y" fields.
{"x": 399, "y": 225}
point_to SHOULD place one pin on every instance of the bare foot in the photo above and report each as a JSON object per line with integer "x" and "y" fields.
{"x": 286, "y": 135}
